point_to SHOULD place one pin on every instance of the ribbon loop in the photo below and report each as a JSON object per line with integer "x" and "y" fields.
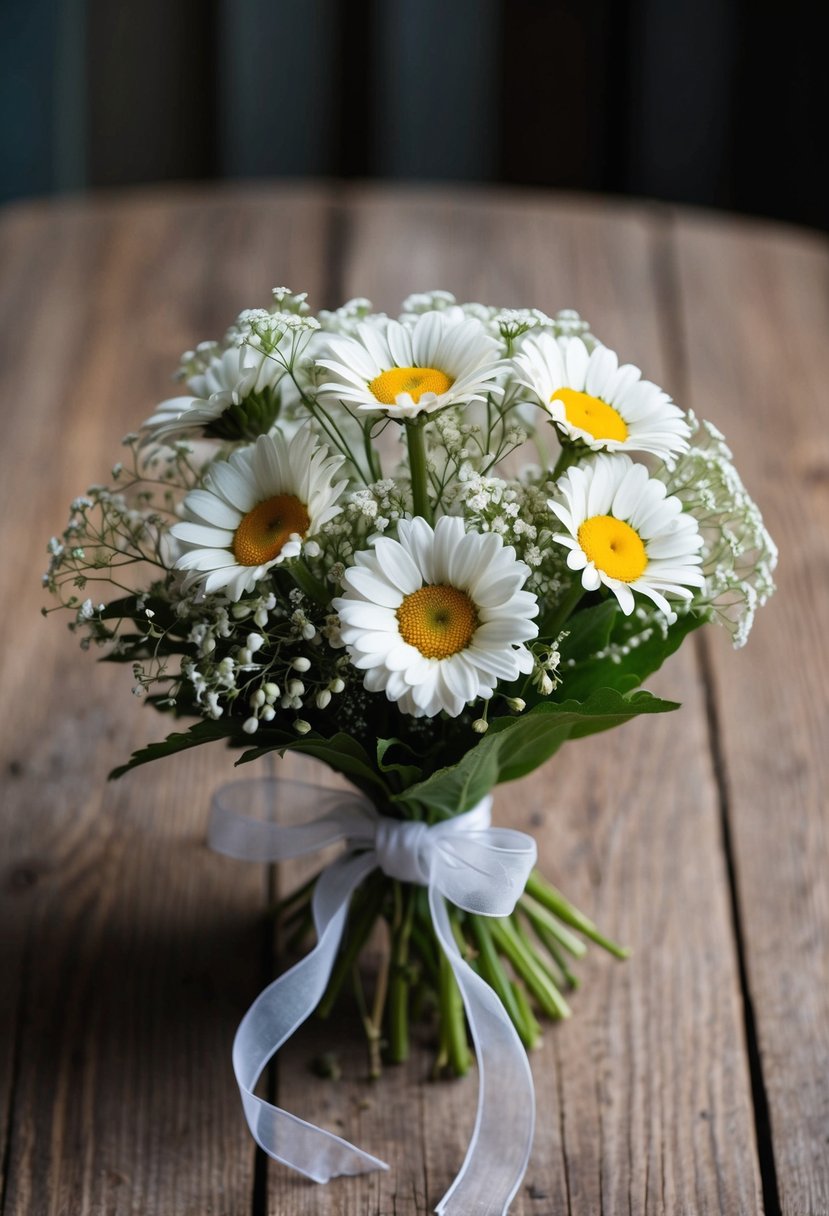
{"x": 478, "y": 868}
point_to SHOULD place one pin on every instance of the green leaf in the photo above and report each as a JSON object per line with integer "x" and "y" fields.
{"x": 589, "y": 631}
{"x": 514, "y": 747}
{"x": 341, "y": 752}
{"x": 408, "y": 773}
{"x": 633, "y": 668}
{"x": 179, "y": 741}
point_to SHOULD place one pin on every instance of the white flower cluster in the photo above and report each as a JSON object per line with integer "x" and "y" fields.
{"x": 306, "y": 575}
{"x": 738, "y": 554}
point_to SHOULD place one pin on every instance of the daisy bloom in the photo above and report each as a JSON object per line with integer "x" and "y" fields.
{"x": 594, "y": 401}
{"x": 437, "y": 617}
{"x": 404, "y": 370}
{"x": 255, "y": 511}
{"x": 227, "y": 379}
{"x": 624, "y": 531}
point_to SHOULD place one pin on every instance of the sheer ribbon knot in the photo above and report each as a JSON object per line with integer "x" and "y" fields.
{"x": 462, "y": 859}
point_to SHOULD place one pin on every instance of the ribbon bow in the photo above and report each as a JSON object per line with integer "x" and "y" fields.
{"x": 463, "y": 859}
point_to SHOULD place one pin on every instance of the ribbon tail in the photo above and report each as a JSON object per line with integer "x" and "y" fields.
{"x": 499, "y": 1150}
{"x": 275, "y": 1015}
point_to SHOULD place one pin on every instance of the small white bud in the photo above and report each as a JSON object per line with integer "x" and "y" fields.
{"x": 268, "y": 714}
{"x": 308, "y": 631}
{"x": 480, "y": 726}
{"x": 301, "y": 664}
{"x": 255, "y": 642}
{"x": 258, "y": 699}
{"x": 244, "y": 656}
{"x": 240, "y": 611}
{"x": 323, "y": 699}
{"x": 251, "y": 726}
{"x": 296, "y": 688}
{"x": 271, "y": 691}
{"x": 301, "y": 726}
{"x": 517, "y": 703}
{"x": 337, "y": 685}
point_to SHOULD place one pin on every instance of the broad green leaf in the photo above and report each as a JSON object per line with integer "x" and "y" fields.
{"x": 514, "y": 747}
{"x": 629, "y": 670}
{"x": 588, "y": 631}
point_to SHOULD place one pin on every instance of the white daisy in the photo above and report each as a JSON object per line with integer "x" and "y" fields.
{"x": 228, "y": 379}
{"x": 255, "y": 510}
{"x": 592, "y": 400}
{"x": 437, "y": 617}
{"x": 624, "y": 531}
{"x": 442, "y": 359}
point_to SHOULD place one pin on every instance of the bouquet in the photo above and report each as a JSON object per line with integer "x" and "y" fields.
{"x": 425, "y": 551}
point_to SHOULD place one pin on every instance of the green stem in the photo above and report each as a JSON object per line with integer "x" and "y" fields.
{"x": 453, "y": 1020}
{"x": 543, "y": 963}
{"x": 541, "y": 917}
{"x": 529, "y": 968}
{"x": 555, "y": 952}
{"x": 375, "y": 1026}
{"x": 361, "y": 924}
{"x": 400, "y": 980}
{"x": 416, "y": 441}
{"x": 547, "y": 895}
{"x": 331, "y": 429}
{"x": 533, "y": 1027}
{"x": 369, "y": 1026}
{"x": 371, "y": 455}
{"x": 495, "y": 975}
{"x": 466, "y": 950}
{"x": 425, "y": 948}
{"x": 568, "y": 455}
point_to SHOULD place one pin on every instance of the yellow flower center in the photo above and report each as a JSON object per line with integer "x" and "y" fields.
{"x": 591, "y": 414}
{"x": 437, "y": 621}
{"x": 412, "y": 380}
{"x": 613, "y": 547}
{"x": 264, "y": 531}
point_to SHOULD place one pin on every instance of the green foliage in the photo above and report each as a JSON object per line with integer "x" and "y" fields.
{"x": 406, "y": 774}
{"x": 514, "y": 747}
{"x": 600, "y": 695}
{"x": 591, "y": 631}
{"x": 341, "y": 752}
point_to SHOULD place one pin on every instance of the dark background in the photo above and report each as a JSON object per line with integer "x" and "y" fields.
{"x": 714, "y": 102}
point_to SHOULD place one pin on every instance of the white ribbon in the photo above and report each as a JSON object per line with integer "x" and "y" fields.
{"x": 463, "y": 859}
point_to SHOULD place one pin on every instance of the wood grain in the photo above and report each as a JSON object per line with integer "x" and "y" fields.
{"x": 759, "y": 364}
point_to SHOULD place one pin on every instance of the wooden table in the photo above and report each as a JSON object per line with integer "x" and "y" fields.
{"x": 694, "y": 1078}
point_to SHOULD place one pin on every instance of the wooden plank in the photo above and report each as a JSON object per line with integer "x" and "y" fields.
{"x": 759, "y": 363}
{"x": 128, "y": 950}
{"x": 644, "y": 1097}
